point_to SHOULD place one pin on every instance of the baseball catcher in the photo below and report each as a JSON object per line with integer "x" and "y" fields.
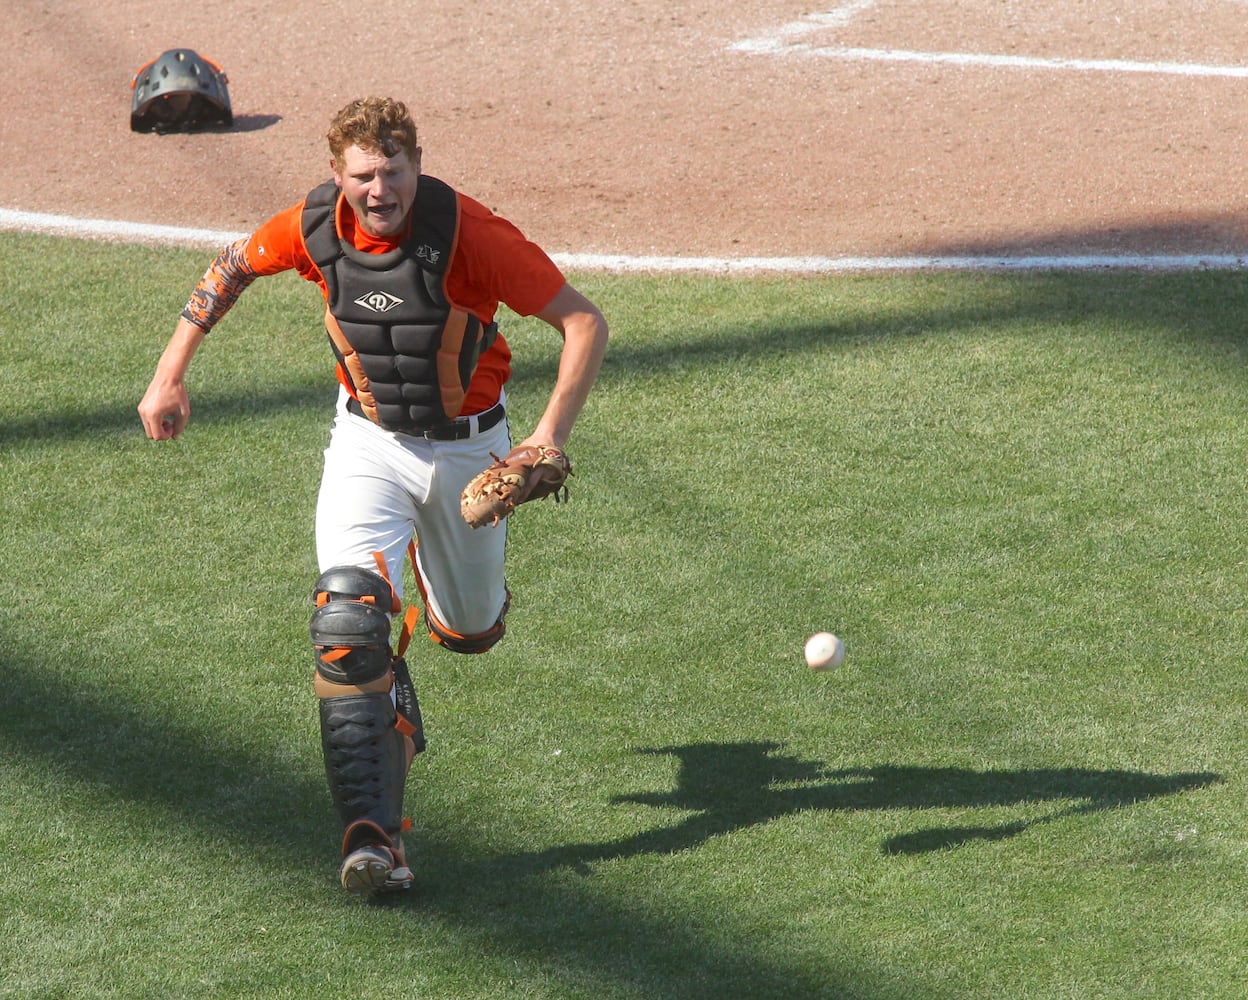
{"x": 412, "y": 273}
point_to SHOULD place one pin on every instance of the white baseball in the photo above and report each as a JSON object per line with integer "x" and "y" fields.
{"x": 824, "y": 651}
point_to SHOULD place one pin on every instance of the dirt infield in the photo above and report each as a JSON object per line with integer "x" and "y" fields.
{"x": 869, "y": 127}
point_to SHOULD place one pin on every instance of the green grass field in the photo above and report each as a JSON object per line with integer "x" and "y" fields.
{"x": 1018, "y": 498}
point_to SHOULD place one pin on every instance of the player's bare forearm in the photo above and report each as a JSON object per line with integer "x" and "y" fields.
{"x": 584, "y": 332}
{"x": 165, "y": 407}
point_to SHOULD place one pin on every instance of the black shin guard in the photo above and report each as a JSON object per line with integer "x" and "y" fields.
{"x": 365, "y": 760}
{"x": 410, "y": 723}
{"x": 363, "y": 738}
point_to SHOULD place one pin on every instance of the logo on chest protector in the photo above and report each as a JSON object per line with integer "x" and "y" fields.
{"x": 378, "y": 302}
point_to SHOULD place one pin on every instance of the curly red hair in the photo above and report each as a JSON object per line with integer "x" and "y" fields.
{"x": 375, "y": 124}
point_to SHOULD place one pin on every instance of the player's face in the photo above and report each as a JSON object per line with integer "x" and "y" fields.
{"x": 379, "y": 188}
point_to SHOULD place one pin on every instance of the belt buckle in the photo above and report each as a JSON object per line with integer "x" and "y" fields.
{"x": 453, "y": 430}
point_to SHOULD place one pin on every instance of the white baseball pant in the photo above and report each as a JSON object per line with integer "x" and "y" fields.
{"x": 378, "y": 487}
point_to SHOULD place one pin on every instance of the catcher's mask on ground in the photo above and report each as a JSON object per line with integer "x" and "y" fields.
{"x": 180, "y": 91}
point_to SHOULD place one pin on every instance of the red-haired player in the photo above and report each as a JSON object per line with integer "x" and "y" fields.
{"x": 412, "y": 273}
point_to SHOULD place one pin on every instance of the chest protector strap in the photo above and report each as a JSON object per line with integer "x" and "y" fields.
{"x": 406, "y": 349}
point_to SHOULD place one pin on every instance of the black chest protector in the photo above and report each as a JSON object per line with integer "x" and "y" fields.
{"x": 408, "y": 352}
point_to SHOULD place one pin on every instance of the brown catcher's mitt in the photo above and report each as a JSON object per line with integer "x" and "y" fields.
{"x": 532, "y": 472}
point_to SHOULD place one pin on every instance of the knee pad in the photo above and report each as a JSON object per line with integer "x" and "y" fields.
{"x": 365, "y": 760}
{"x": 350, "y": 627}
{"x": 458, "y": 643}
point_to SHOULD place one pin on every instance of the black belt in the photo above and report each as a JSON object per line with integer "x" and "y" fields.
{"x": 456, "y": 430}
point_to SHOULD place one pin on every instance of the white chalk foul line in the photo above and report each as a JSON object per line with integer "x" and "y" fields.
{"x": 810, "y": 23}
{"x": 784, "y": 40}
{"x": 133, "y": 232}
{"x": 968, "y": 59}
{"x": 845, "y": 265}
{"x": 129, "y": 232}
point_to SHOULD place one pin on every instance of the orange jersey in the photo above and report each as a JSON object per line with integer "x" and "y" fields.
{"x": 493, "y": 263}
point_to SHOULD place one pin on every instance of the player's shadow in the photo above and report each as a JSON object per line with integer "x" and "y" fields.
{"x": 732, "y": 786}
